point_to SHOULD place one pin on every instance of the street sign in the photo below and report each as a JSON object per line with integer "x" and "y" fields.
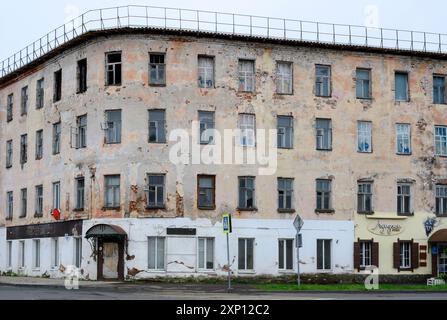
{"x": 299, "y": 240}
{"x": 226, "y": 221}
{"x": 298, "y": 223}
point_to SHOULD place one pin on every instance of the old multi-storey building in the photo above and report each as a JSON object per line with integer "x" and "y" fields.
{"x": 88, "y": 177}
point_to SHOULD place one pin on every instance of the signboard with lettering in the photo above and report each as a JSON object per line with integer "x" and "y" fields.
{"x": 385, "y": 228}
{"x": 226, "y": 221}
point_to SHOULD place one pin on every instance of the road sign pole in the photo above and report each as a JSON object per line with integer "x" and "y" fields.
{"x": 298, "y": 260}
{"x": 228, "y": 258}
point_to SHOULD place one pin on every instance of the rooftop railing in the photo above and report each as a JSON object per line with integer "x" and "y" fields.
{"x": 225, "y": 23}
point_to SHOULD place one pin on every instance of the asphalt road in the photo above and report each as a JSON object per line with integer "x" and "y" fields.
{"x": 190, "y": 292}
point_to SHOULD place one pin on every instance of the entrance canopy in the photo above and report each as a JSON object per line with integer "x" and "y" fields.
{"x": 439, "y": 236}
{"x": 106, "y": 231}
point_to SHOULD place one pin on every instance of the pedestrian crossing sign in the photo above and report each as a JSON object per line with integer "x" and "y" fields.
{"x": 226, "y": 221}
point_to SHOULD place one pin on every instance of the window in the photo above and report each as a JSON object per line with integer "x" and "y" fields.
{"x": 364, "y": 137}
{"x": 23, "y": 203}
{"x": 364, "y": 197}
{"x": 39, "y": 200}
{"x": 405, "y": 254}
{"x": 156, "y": 253}
{"x": 401, "y": 86}
{"x": 403, "y": 138}
{"x": 39, "y": 144}
{"x": 324, "y": 190}
{"x": 23, "y": 148}
{"x": 9, "y": 253}
{"x": 9, "y": 107}
{"x": 22, "y": 254}
{"x": 246, "y": 193}
{"x": 285, "y": 254}
{"x": 284, "y": 78}
{"x": 82, "y": 76}
{"x": 206, "y": 254}
{"x": 113, "y": 126}
{"x": 439, "y": 90}
{"x": 112, "y": 191}
{"x": 247, "y": 127}
{"x": 365, "y": 254}
{"x": 9, "y": 154}
{"x": 77, "y": 252}
{"x": 80, "y": 194}
{"x": 245, "y": 254}
{"x": 246, "y": 75}
{"x": 324, "y": 254}
{"x": 40, "y": 93}
{"x": 441, "y": 200}
{"x": 9, "y": 205}
{"x": 156, "y": 190}
{"x": 157, "y": 69}
{"x": 206, "y": 119}
{"x": 36, "y": 253}
{"x": 57, "y": 86}
{"x": 81, "y": 132}
{"x": 157, "y": 126}
{"x": 56, "y": 195}
{"x": 363, "y": 83}
{"x": 440, "y": 141}
{"x": 206, "y": 192}
{"x": 24, "y": 101}
{"x": 54, "y": 252}
{"x": 206, "y": 72}
{"x": 56, "y": 138}
{"x": 285, "y": 194}
{"x": 323, "y": 81}
{"x": 285, "y": 132}
{"x": 404, "y": 199}
{"x": 113, "y": 69}
{"x": 324, "y": 134}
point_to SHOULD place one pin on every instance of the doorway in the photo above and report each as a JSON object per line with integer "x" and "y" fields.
{"x": 110, "y": 259}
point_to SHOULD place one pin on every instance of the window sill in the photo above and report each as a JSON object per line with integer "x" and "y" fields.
{"x": 441, "y": 215}
{"x": 364, "y": 152}
{"x": 284, "y": 93}
{"x": 330, "y": 96}
{"x": 247, "y": 209}
{"x": 111, "y": 208}
{"x": 155, "y": 208}
{"x": 161, "y": 85}
{"x": 38, "y": 159}
{"x": 8, "y": 219}
{"x": 324, "y": 149}
{"x": 369, "y": 99}
{"x": 210, "y": 272}
{"x": 158, "y": 143}
{"x": 324, "y": 211}
{"x": 285, "y": 148}
{"x": 286, "y": 210}
{"x": 366, "y": 213}
{"x": 38, "y": 215}
{"x": 406, "y": 214}
{"x": 79, "y": 210}
{"x": 113, "y": 85}
{"x": 8, "y": 167}
{"x": 290, "y": 271}
{"x": 246, "y": 272}
{"x": 22, "y": 217}
{"x": 403, "y": 154}
{"x": 207, "y": 208}
{"x": 441, "y": 155}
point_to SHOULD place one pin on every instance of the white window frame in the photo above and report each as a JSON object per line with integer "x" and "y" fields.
{"x": 206, "y": 71}
{"x": 404, "y": 250}
{"x": 441, "y": 141}
{"x": 365, "y": 254}
{"x": 403, "y": 136}
{"x": 245, "y": 269}
{"x": 156, "y": 253}
{"x": 157, "y": 188}
{"x": 36, "y": 254}
{"x": 440, "y": 194}
{"x": 246, "y": 77}
{"x": 363, "y": 83}
{"x": 284, "y": 81}
{"x": 205, "y": 252}
{"x": 320, "y": 79}
{"x": 407, "y": 94}
{"x": 363, "y": 194}
{"x": 9, "y": 205}
{"x": 22, "y": 254}
{"x": 324, "y": 254}
{"x": 285, "y": 269}
{"x": 247, "y": 127}
{"x": 9, "y": 255}
{"x": 54, "y": 253}
{"x": 57, "y": 195}
{"x": 77, "y": 257}
{"x": 111, "y": 67}
{"x": 401, "y": 196}
{"x": 364, "y": 136}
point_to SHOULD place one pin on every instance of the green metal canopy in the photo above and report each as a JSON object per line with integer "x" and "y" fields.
{"x": 105, "y": 231}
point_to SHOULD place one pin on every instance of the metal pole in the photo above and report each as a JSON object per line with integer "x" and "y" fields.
{"x": 298, "y": 259}
{"x": 228, "y": 265}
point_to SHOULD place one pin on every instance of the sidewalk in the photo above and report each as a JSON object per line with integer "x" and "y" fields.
{"x": 46, "y": 282}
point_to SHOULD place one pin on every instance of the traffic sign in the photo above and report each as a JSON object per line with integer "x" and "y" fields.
{"x": 298, "y": 223}
{"x": 226, "y": 221}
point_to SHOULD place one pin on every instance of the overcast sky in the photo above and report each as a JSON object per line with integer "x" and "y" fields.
{"x": 22, "y": 22}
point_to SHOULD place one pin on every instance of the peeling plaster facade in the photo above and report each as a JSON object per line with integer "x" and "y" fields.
{"x": 134, "y": 157}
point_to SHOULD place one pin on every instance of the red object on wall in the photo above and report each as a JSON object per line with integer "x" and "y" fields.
{"x": 56, "y": 214}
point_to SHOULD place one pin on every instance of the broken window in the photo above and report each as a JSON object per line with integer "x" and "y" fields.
{"x": 285, "y": 132}
{"x": 246, "y": 193}
{"x": 9, "y": 107}
{"x": 206, "y": 72}
{"x": 324, "y": 193}
{"x": 322, "y": 81}
{"x": 54, "y": 252}
{"x": 39, "y": 144}
{"x": 9, "y": 154}
{"x": 113, "y": 68}
{"x": 441, "y": 200}
{"x": 404, "y": 199}
{"x": 40, "y": 93}
{"x": 324, "y": 134}
{"x": 82, "y": 76}
{"x": 440, "y": 141}
{"x": 24, "y": 101}
{"x": 324, "y": 254}
{"x": 56, "y": 195}
{"x": 285, "y": 254}
{"x": 285, "y": 194}
{"x": 403, "y": 138}
{"x": 23, "y": 202}
{"x": 9, "y": 205}
{"x": 363, "y": 83}
{"x": 23, "y": 148}
{"x": 284, "y": 77}
{"x": 364, "y": 136}
{"x": 206, "y": 192}
{"x": 112, "y": 191}
{"x": 57, "y": 86}
{"x": 157, "y": 69}
{"x": 113, "y": 126}
{"x": 39, "y": 201}
{"x": 246, "y": 75}
{"x": 157, "y": 126}
{"x": 401, "y": 86}
{"x": 156, "y": 253}
{"x": 364, "y": 197}
{"x": 80, "y": 194}
{"x": 206, "y": 119}
{"x": 81, "y": 132}
{"x": 156, "y": 191}
{"x": 36, "y": 253}
{"x": 206, "y": 253}
{"x": 57, "y": 138}
{"x": 245, "y": 253}
{"x": 247, "y": 127}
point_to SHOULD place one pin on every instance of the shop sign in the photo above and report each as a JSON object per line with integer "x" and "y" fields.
{"x": 385, "y": 228}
